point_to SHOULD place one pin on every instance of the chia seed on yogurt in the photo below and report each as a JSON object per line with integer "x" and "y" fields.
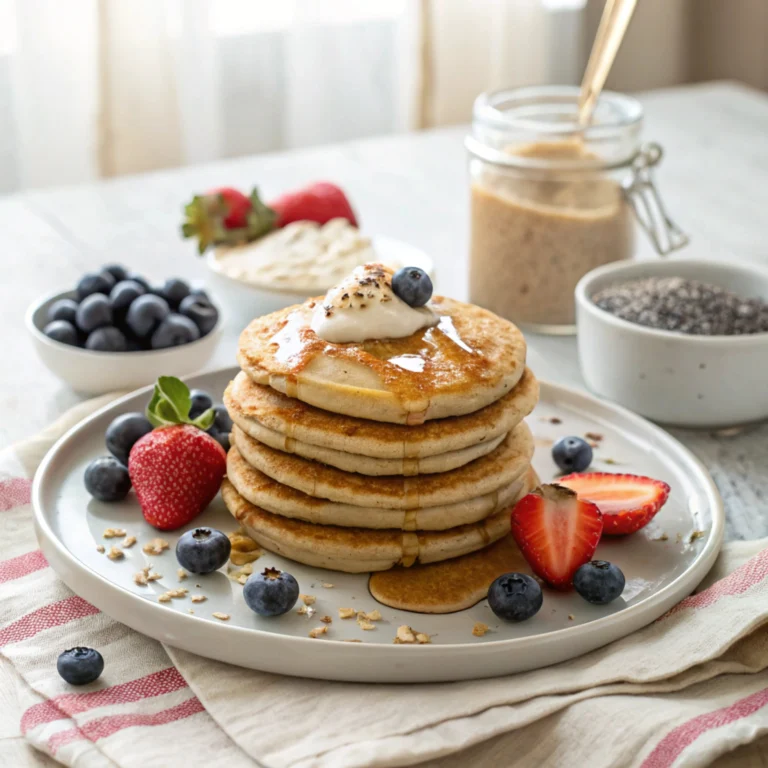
{"x": 685, "y": 306}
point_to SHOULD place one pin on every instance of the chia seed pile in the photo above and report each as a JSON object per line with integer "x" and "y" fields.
{"x": 686, "y": 306}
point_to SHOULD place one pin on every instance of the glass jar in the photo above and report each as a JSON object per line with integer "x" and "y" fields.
{"x": 551, "y": 200}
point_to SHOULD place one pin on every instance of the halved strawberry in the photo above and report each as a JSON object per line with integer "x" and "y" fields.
{"x": 556, "y": 532}
{"x": 628, "y": 502}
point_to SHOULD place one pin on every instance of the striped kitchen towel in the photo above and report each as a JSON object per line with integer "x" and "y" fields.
{"x": 681, "y": 692}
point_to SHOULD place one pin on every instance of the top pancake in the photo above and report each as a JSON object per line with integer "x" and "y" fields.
{"x": 257, "y": 404}
{"x": 470, "y": 359}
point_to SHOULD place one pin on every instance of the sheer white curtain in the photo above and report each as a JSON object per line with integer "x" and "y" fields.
{"x": 92, "y": 88}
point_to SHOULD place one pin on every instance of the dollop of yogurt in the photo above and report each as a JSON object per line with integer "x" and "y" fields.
{"x": 363, "y": 307}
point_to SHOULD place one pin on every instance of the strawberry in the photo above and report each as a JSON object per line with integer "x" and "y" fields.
{"x": 320, "y": 202}
{"x": 556, "y": 532}
{"x": 226, "y": 216}
{"x": 176, "y": 469}
{"x": 628, "y": 502}
{"x": 236, "y": 205}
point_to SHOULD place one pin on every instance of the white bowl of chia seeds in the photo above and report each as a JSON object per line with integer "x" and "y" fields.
{"x": 681, "y": 341}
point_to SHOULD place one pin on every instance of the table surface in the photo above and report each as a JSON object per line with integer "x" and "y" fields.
{"x": 412, "y": 187}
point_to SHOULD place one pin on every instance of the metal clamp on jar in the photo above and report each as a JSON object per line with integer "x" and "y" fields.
{"x": 551, "y": 199}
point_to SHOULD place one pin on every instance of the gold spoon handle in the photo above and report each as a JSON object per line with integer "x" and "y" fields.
{"x": 610, "y": 33}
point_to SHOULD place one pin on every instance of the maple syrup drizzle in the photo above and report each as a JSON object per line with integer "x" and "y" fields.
{"x": 447, "y": 586}
{"x": 411, "y": 467}
{"x": 412, "y": 368}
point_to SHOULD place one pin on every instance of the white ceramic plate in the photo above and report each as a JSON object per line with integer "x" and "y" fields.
{"x": 662, "y": 565}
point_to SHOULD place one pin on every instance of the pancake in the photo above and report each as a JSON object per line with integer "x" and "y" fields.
{"x": 367, "y": 465}
{"x": 467, "y": 361}
{"x": 262, "y": 412}
{"x": 271, "y": 496}
{"x": 358, "y": 550}
{"x": 485, "y": 475}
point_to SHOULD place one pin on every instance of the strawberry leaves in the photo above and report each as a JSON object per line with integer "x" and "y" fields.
{"x": 170, "y": 404}
{"x": 227, "y": 217}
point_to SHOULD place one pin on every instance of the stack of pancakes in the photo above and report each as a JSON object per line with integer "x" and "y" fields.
{"x": 363, "y": 456}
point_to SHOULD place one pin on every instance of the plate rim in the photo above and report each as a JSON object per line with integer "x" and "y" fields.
{"x": 639, "y": 614}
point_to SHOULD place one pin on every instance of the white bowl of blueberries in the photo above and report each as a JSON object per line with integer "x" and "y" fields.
{"x": 116, "y": 331}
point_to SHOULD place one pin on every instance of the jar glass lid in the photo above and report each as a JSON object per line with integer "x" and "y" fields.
{"x": 508, "y": 118}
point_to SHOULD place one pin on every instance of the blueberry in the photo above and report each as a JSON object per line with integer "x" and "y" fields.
{"x": 201, "y": 311}
{"x": 174, "y": 331}
{"x": 140, "y": 279}
{"x": 106, "y": 479}
{"x": 271, "y": 593}
{"x": 199, "y": 293}
{"x": 145, "y": 315}
{"x": 80, "y": 666}
{"x": 203, "y": 550}
{"x": 515, "y": 597}
{"x": 201, "y": 401}
{"x": 413, "y": 286}
{"x": 63, "y": 309}
{"x": 94, "y": 282}
{"x": 118, "y": 271}
{"x": 124, "y": 293}
{"x": 107, "y": 339}
{"x": 174, "y": 291}
{"x": 572, "y": 454}
{"x": 222, "y": 422}
{"x": 61, "y": 330}
{"x": 222, "y": 438}
{"x": 94, "y": 312}
{"x": 123, "y": 433}
{"x": 599, "y": 582}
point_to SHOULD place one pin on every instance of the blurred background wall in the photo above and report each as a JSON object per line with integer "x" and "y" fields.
{"x": 98, "y": 88}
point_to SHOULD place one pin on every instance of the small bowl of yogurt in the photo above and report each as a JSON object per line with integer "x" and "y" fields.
{"x": 681, "y": 341}
{"x": 295, "y": 262}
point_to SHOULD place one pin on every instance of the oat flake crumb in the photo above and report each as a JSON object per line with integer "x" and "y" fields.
{"x": 198, "y": 598}
{"x": 596, "y": 436}
{"x": 326, "y": 619}
{"x": 326, "y": 585}
{"x": 100, "y": 549}
{"x": 696, "y": 535}
{"x": 155, "y": 547}
{"x": 182, "y": 574}
{"x": 355, "y": 640}
{"x": 479, "y": 629}
{"x": 221, "y": 616}
{"x": 189, "y": 610}
{"x": 114, "y": 533}
{"x": 318, "y": 632}
{"x": 571, "y": 617}
{"x": 129, "y": 541}
{"x": 164, "y": 598}
{"x": 308, "y": 599}
{"x": 365, "y": 625}
{"x": 663, "y": 537}
{"x": 241, "y": 579}
{"x": 408, "y": 636}
{"x": 347, "y": 613}
{"x": 302, "y": 611}
{"x": 115, "y": 553}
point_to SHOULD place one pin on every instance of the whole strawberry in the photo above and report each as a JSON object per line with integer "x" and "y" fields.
{"x": 320, "y": 202}
{"x": 176, "y": 469}
{"x": 226, "y": 216}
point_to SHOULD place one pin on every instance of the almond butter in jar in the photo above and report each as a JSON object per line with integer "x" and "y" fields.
{"x": 551, "y": 200}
